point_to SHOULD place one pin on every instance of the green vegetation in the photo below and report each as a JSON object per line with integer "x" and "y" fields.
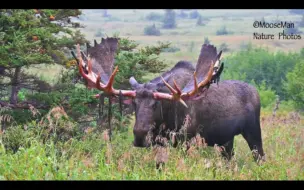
{"x": 154, "y": 17}
{"x": 199, "y": 21}
{"x": 169, "y": 21}
{"x": 151, "y": 31}
{"x": 55, "y": 134}
{"x": 222, "y": 31}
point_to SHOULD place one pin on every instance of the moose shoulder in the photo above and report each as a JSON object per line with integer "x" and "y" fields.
{"x": 218, "y": 111}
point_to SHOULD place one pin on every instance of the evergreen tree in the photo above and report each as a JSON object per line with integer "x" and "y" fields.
{"x": 199, "y": 21}
{"x": 169, "y": 19}
{"x": 31, "y": 37}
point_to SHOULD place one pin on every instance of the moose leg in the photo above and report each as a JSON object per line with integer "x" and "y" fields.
{"x": 229, "y": 151}
{"x": 254, "y": 140}
{"x": 110, "y": 116}
{"x": 100, "y": 109}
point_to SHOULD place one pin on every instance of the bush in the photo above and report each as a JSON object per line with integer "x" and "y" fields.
{"x": 259, "y": 64}
{"x": 171, "y": 49}
{"x": 222, "y": 31}
{"x": 206, "y": 40}
{"x": 199, "y": 21}
{"x": 151, "y": 31}
{"x": 16, "y": 137}
{"x": 182, "y": 14}
{"x": 194, "y": 14}
{"x": 191, "y": 46}
{"x": 99, "y": 33}
{"x": 169, "y": 21}
{"x": 294, "y": 85}
{"x": 224, "y": 47}
{"x": 154, "y": 17}
{"x": 267, "y": 96}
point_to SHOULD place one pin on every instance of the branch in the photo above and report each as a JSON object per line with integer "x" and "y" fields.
{"x": 23, "y": 105}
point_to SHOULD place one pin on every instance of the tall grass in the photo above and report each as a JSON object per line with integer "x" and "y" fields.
{"x": 88, "y": 155}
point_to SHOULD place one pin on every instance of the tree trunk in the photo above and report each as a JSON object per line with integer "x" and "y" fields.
{"x": 15, "y": 88}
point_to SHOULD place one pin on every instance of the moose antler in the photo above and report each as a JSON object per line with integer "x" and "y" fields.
{"x": 178, "y": 95}
{"x": 94, "y": 80}
{"x": 207, "y": 56}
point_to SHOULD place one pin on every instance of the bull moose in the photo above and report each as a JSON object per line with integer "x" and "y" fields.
{"x": 218, "y": 111}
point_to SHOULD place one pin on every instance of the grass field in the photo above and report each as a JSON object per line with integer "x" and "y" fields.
{"x": 92, "y": 157}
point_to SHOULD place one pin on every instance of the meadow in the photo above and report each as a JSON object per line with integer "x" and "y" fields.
{"x": 53, "y": 148}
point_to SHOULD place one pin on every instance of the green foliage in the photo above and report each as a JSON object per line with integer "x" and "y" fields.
{"x": 182, "y": 14}
{"x": 171, "y": 49}
{"x": 222, "y": 31}
{"x": 169, "y": 21}
{"x": 16, "y": 137}
{"x": 194, "y": 14}
{"x": 137, "y": 63}
{"x": 267, "y": 96}
{"x": 191, "y": 46}
{"x": 206, "y": 40}
{"x": 260, "y": 65}
{"x": 151, "y": 31}
{"x": 24, "y": 36}
{"x": 199, "y": 21}
{"x": 99, "y": 33}
{"x": 21, "y": 95}
{"x": 224, "y": 47}
{"x": 89, "y": 156}
{"x": 154, "y": 17}
{"x": 294, "y": 85}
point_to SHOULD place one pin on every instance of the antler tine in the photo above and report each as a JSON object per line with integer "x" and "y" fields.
{"x": 195, "y": 83}
{"x": 89, "y": 65}
{"x": 177, "y": 88}
{"x": 94, "y": 80}
{"x": 209, "y": 76}
{"x": 168, "y": 85}
{"x": 177, "y": 95}
{"x": 109, "y": 86}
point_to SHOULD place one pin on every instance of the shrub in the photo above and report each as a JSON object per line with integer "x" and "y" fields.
{"x": 267, "y": 96}
{"x": 169, "y": 21}
{"x": 294, "y": 85}
{"x": 171, "y": 49}
{"x": 259, "y": 64}
{"x": 182, "y": 14}
{"x": 206, "y": 40}
{"x": 194, "y": 14}
{"x": 151, "y": 31}
{"x": 154, "y": 17}
{"x": 199, "y": 21}
{"x": 222, "y": 31}
{"x": 99, "y": 33}
{"x": 224, "y": 47}
{"x": 191, "y": 46}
